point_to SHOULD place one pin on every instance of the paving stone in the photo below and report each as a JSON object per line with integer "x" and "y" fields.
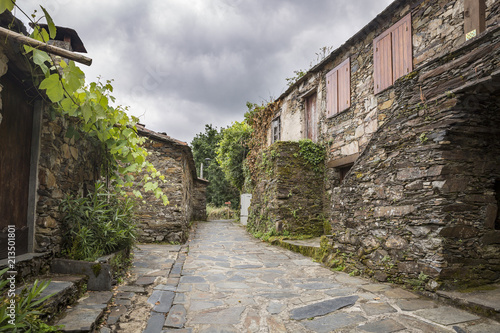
{"x": 219, "y": 329}
{"x": 304, "y": 262}
{"x": 166, "y": 287}
{"x": 415, "y": 304}
{"x": 318, "y": 286}
{"x": 399, "y": 293}
{"x": 421, "y": 325}
{"x": 446, "y": 315}
{"x": 176, "y": 317}
{"x": 121, "y": 301}
{"x": 105, "y": 330}
{"x": 382, "y": 326}
{"x": 80, "y": 319}
{"x": 192, "y": 279}
{"x": 180, "y": 298}
{"x": 125, "y": 295}
{"x": 162, "y": 300}
{"x": 280, "y": 295}
{"x": 222, "y": 317}
{"x": 490, "y": 327}
{"x": 375, "y": 288}
{"x": 231, "y": 285}
{"x": 115, "y": 314}
{"x": 236, "y": 278}
{"x": 275, "y": 307}
{"x": 155, "y": 323}
{"x": 203, "y": 305}
{"x": 247, "y": 266}
{"x": 322, "y": 308}
{"x": 373, "y": 309}
{"x": 174, "y": 330}
{"x": 340, "y": 292}
{"x": 332, "y": 322}
{"x": 163, "y": 272}
{"x": 97, "y": 297}
{"x": 135, "y": 289}
{"x": 145, "y": 280}
{"x": 347, "y": 279}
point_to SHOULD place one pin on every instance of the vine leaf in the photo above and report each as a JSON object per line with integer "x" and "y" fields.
{"x": 50, "y": 23}
{"x": 39, "y": 58}
{"x": 53, "y": 88}
{"x": 7, "y": 5}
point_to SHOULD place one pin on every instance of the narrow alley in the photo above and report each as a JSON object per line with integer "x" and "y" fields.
{"x": 224, "y": 280}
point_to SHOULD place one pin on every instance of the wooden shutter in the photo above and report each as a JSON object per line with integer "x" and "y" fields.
{"x": 311, "y": 118}
{"x": 344, "y": 85}
{"x": 332, "y": 93}
{"x": 382, "y": 63}
{"x": 402, "y": 55}
{"x": 338, "y": 88}
{"x": 392, "y": 54}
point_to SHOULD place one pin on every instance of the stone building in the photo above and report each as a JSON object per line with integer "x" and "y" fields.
{"x": 185, "y": 191}
{"x": 408, "y": 110}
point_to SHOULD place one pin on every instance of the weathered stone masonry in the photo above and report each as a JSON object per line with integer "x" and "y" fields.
{"x": 420, "y": 202}
{"x": 186, "y": 193}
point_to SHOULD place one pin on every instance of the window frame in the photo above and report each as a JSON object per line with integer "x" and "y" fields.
{"x": 401, "y": 48}
{"x": 275, "y": 123}
{"x": 338, "y": 88}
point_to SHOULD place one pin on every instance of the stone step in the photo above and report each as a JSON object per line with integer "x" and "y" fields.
{"x": 66, "y": 290}
{"x": 85, "y": 314}
{"x": 484, "y": 300}
{"x": 308, "y": 247}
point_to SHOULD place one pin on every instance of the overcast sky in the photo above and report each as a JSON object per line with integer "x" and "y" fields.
{"x": 181, "y": 64}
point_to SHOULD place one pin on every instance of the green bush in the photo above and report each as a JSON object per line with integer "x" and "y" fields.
{"x": 97, "y": 224}
{"x": 26, "y": 308}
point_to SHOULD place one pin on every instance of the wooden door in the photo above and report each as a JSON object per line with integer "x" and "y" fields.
{"x": 15, "y": 153}
{"x": 311, "y": 118}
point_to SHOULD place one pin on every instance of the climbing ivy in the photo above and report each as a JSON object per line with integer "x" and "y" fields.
{"x": 259, "y": 119}
{"x": 313, "y": 153}
{"x": 90, "y": 106}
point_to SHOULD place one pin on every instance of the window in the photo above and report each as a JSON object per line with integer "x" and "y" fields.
{"x": 343, "y": 170}
{"x": 338, "y": 88}
{"x": 276, "y": 130}
{"x": 311, "y": 118}
{"x": 392, "y": 54}
{"x": 474, "y": 18}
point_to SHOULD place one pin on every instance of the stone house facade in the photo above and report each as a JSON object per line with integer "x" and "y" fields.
{"x": 407, "y": 109}
{"x": 186, "y": 192}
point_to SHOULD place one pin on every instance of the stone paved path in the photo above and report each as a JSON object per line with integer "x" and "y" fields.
{"x": 232, "y": 282}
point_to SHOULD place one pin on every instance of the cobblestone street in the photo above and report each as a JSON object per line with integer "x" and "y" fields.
{"x": 228, "y": 281}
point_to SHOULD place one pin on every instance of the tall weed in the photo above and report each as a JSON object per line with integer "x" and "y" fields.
{"x": 97, "y": 224}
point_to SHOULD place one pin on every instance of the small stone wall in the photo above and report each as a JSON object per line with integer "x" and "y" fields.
{"x": 289, "y": 194}
{"x": 66, "y": 166}
{"x": 170, "y": 223}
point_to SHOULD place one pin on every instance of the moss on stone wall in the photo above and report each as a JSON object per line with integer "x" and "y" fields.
{"x": 289, "y": 196}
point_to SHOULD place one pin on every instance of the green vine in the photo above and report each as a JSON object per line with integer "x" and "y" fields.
{"x": 90, "y": 106}
{"x": 313, "y": 153}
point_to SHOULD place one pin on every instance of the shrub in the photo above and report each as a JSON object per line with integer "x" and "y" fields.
{"x": 97, "y": 224}
{"x": 220, "y": 213}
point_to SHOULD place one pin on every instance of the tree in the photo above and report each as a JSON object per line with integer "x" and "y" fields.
{"x": 219, "y": 189}
{"x": 232, "y": 151}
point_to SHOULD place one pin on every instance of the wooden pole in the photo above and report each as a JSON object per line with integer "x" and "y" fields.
{"x": 25, "y": 40}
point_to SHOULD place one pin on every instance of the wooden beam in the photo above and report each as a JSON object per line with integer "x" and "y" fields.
{"x": 474, "y": 17}
{"x": 25, "y": 40}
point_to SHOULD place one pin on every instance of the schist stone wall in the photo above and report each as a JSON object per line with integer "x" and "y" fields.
{"x": 411, "y": 187}
{"x": 288, "y": 196}
{"x": 66, "y": 166}
{"x": 170, "y": 223}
